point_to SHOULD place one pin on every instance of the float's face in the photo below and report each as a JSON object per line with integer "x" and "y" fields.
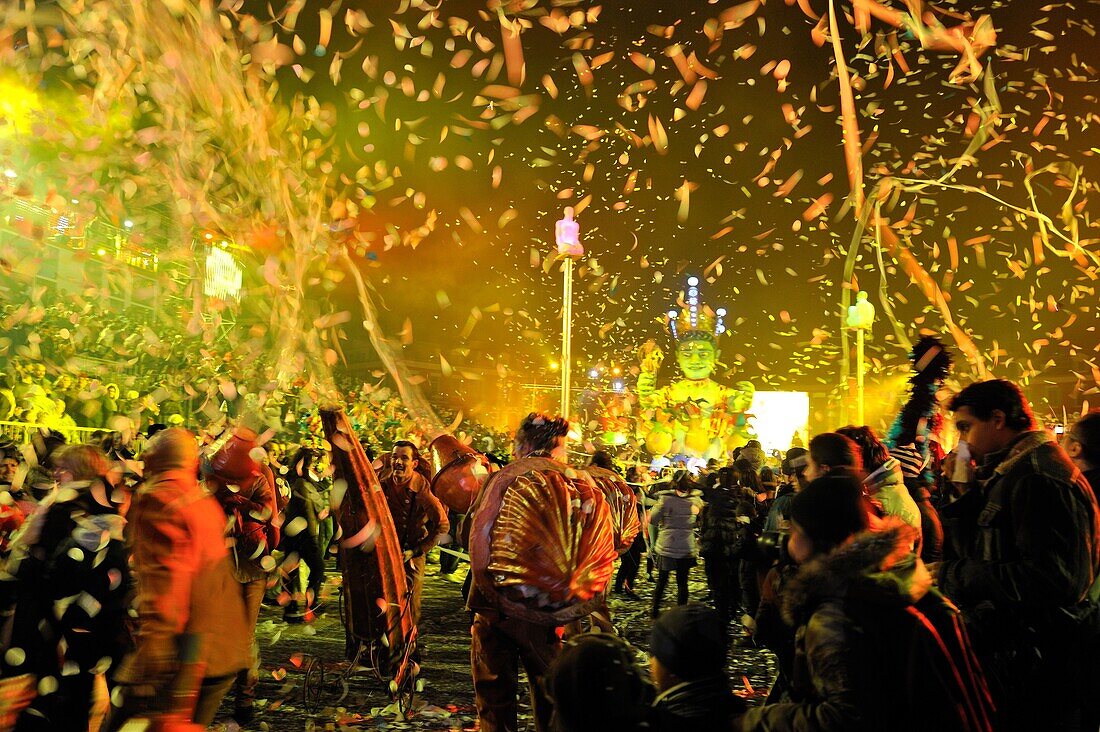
{"x": 697, "y": 359}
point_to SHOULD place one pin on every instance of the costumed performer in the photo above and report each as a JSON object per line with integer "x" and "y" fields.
{"x": 541, "y": 554}
{"x": 418, "y": 517}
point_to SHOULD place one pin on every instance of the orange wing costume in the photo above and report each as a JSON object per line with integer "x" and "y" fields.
{"x": 376, "y": 596}
{"x": 542, "y": 543}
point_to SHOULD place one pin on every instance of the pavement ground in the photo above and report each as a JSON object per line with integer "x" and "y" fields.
{"x": 447, "y": 702}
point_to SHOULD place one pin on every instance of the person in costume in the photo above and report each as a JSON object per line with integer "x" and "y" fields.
{"x": 909, "y": 438}
{"x": 694, "y": 416}
{"x": 418, "y": 516}
{"x": 542, "y": 551}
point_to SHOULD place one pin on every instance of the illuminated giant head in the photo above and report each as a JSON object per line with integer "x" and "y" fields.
{"x": 696, "y": 329}
{"x": 698, "y": 357}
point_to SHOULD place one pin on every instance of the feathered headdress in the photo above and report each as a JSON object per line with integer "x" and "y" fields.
{"x": 931, "y": 363}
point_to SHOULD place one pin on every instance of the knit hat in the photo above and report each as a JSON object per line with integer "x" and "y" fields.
{"x": 830, "y": 509}
{"x": 595, "y": 684}
{"x": 912, "y": 462}
{"x": 691, "y": 641}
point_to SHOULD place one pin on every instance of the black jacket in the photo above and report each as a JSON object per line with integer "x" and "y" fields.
{"x": 876, "y": 647}
{"x": 68, "y": 584}
{"x": 1026, "y": 537}
{"x": 705, "y": 705}
{"x": 719, "y": 537}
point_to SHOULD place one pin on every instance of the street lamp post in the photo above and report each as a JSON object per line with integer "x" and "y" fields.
{"x": 567, "y": 237}
{"x": 861, "y": 317}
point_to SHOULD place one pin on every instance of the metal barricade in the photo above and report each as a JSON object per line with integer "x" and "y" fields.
{"x": 21, "y": 432}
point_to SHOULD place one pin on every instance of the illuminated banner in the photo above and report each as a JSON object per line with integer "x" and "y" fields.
{"x": 223, "y": 275}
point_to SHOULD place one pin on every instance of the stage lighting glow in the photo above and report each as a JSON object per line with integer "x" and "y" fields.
{"x": 617, "y": 385}
{"x": 693, "y": 281}
{"x": 593, "y": 373}
{"x": 720, "y": 312}
{"x": 128, "y": 224}
{"x": 778, "y": 415}
{"x": 9, "y": 173}
{"x": 224, "y": 276}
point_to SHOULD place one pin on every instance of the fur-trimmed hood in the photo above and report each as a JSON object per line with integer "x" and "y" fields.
{"x": 878, "y": 567}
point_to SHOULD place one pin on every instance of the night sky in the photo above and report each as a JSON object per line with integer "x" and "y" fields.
{"x": 727, "y": 196}
{"x": 697, "y": 138}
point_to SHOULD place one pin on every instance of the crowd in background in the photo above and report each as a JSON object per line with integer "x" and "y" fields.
{"x": 898, "y": 587}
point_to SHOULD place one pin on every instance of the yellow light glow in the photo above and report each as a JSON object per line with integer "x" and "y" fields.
{"x": 778, "y": 415}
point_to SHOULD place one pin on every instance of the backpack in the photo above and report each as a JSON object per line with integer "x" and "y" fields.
{"x": 925, "y": 650}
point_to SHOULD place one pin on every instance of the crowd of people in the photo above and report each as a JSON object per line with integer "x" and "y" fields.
{"x": 898, "y": 587}
{"x": 955, "y": 592}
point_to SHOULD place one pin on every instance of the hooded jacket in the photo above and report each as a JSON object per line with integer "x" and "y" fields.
{"x": 719, "y": 536}
{"x": 876, "y": 646}
{"x": 185, "y": 586}
{"x": 886, "y": 487}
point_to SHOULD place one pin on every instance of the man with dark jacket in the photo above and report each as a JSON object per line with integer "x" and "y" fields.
{"x": 1025, "y": 534}
{"x": 719, "y": 544}
{"x": 1082, "y": 443}
{"x": 687, "y": 662}
{"x": 418, "y": 516}
{"x": 301, "y": 540}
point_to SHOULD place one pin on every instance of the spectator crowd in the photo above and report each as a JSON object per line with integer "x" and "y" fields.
{"x": 899, "y": 586}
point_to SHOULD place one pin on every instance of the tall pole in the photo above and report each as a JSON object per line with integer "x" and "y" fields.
{"x": 566, "y": 333}
{"x": 861, "y": 318}
{"x": 567, "y": 238}
{"x": 859, "y": 376}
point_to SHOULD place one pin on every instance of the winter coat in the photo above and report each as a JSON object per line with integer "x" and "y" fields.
{"x": 1027, "y": 538}
{"x": 674, "y": 517}
{"x": 876, "y": 648}
{"x": 251, "y": 508}
{"x": 302, "y": 517}
{"x": 779, "y": 513}
{"x": 755, "y": 456}
{"x": 185, "y": 582}
{"x": 886, "y": 487}
{"x": 704, "y": 705}
{"x": 70, "y": 583}
{"x": 1092, "y": 475}
{"x": 720, "y": 533}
